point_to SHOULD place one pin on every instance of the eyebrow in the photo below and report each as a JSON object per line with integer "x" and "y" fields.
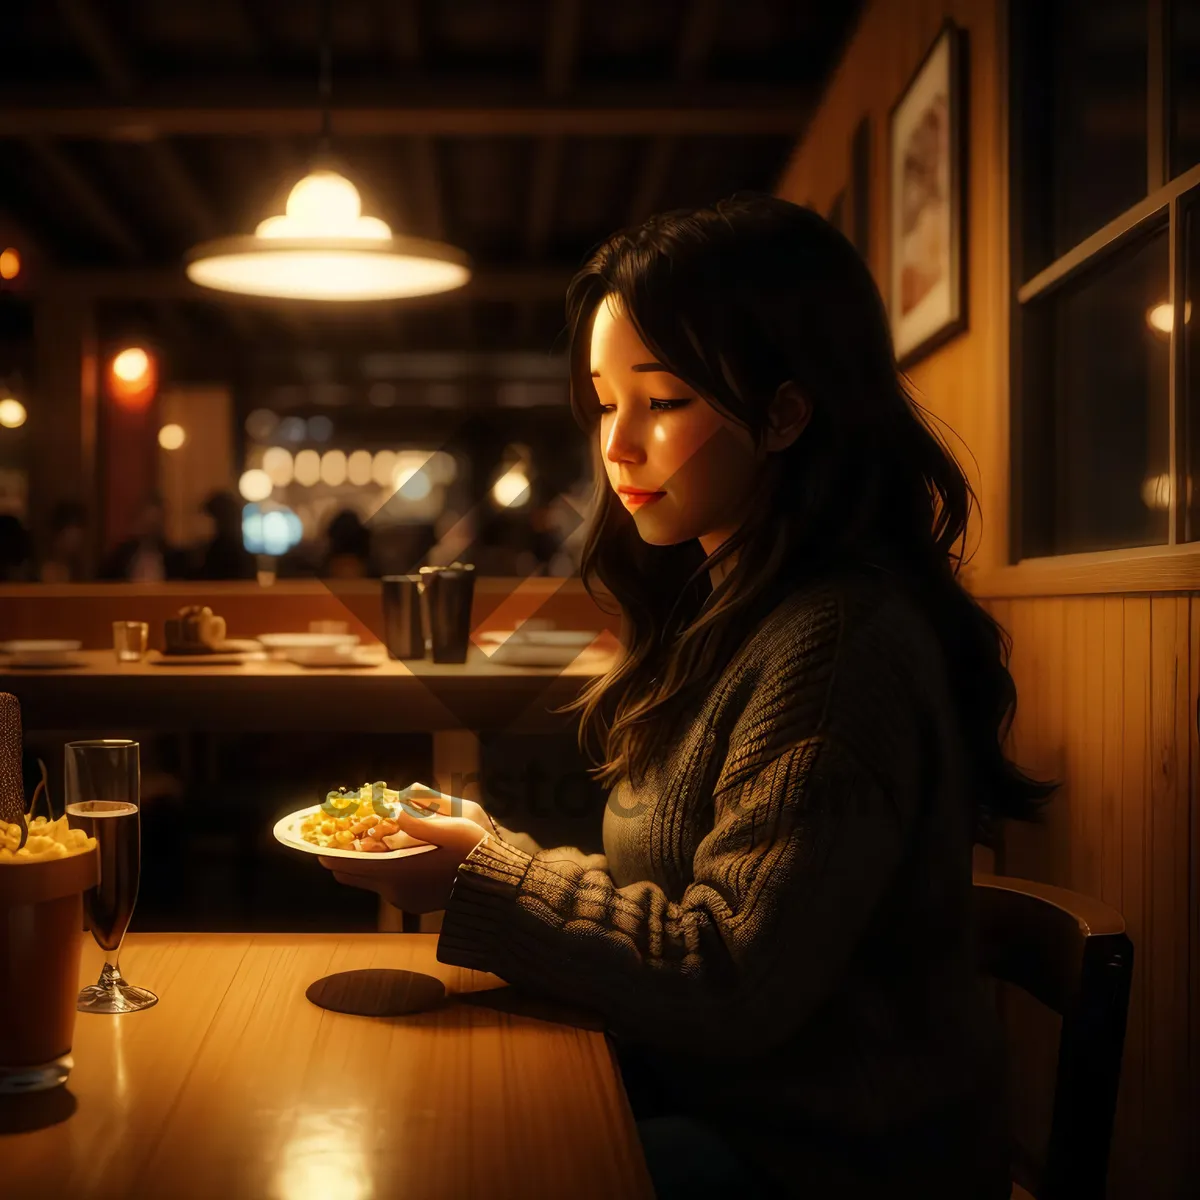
{"x": 650, "y": 366}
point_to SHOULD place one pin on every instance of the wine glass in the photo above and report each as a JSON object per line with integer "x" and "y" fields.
{"x": 103, "y": 790}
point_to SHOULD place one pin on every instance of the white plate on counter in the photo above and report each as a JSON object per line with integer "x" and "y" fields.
{"x": 559, "y": 638}
{"x": 280, "y": 645}
{"x": 339, "y": 657}
{"x": 42, "y": 652}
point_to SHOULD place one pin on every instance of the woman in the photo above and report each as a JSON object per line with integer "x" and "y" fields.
{"x": 802, "y": 737}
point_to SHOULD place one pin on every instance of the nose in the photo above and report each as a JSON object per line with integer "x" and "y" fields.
{"x": 623, "y": 443}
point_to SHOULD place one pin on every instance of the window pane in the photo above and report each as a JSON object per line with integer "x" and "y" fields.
{"x": 1185, "y": 86}
{"x": 1191, "y": 369}
{"x": 1080, "y": 88}
{"x": 1094, "y": 416}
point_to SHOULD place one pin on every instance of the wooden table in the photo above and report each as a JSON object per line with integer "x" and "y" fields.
{"x": 236, "y": 1086}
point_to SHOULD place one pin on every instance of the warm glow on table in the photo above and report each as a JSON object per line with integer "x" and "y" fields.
{"x": 235, "y": 1085}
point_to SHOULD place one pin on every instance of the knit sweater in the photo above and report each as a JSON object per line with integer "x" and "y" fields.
{"x": 783, "y": 924}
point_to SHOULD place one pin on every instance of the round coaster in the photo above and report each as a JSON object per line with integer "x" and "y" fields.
{"x": 377, "y": 992}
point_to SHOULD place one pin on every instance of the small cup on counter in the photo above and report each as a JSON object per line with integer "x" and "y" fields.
{"x": 130, "y": 639}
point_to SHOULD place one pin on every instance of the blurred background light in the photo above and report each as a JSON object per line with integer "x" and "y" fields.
{"x": 333, "y": 467}
{"x": 320, "y": 428}
{"x": 277, "y": 462}
{"x": 255, "y": 485}
{"x": 172, "y": 436}
{"x": 12, "y": 413}
{"x": 261, "y": 424}
{"x": 358, "y": 468}
{"x": 307, "y": 469}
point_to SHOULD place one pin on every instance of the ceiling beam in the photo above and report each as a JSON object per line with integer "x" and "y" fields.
{"x": 400, "y": 30}
{"x": 695, "y": 45}
{"x": 562, "y": 47}
{"x": 112, "y": 65}
{"x": 775, "y": 112}
{"x": 169, "y": 283}
{"x": 98, "y": 44}
{"x": 656, "y": 166}
{"x": 84, "y": 196}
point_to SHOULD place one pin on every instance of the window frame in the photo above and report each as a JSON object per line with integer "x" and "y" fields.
{"x": 1175, "y": 565}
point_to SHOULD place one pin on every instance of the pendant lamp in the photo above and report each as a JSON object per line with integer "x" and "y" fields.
{"x": 323, "y": 247}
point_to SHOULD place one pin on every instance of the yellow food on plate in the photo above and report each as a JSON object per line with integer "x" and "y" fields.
{"x": 358, "y": 820}
{"x": 46, "y": 840}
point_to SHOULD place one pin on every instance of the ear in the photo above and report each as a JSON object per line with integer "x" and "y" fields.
{"x": 789, "y": 415}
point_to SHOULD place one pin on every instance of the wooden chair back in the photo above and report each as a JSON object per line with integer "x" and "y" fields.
{"x": 1071, "y": 953}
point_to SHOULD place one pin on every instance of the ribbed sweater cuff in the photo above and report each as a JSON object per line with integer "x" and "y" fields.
{"x": 481, "y": 905}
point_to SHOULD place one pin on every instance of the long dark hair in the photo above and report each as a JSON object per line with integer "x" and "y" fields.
{"x": 737, "y": 299}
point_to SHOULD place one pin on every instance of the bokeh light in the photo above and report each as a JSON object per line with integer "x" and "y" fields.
{"x": 12, "y": 413}
{"x": 277, "y": 462}
{"x": 411, "y": 481}
{"x": 307, "y": 468}
{"x": 333, "y": 467}
{"x": 172, "y": 436}
{"x": 261, "y": 424}
{"x": 383, "y": 467}
{"x": 511, "y": 490}
{"x": 292, "y": 430}
{"x": 10, "y": 263}
{"x": 255, "y": 485}
{"x": 131, "y": 365}
{"x": 358, "y": 468}
{"x": 133, "y": 377}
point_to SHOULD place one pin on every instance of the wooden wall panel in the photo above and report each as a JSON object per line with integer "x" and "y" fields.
{"x": 1124, "y": 827}
{"x": 1108, "y": 685}
{"x": 1167, "y": 864}
{"x": 1191, "y": 1114}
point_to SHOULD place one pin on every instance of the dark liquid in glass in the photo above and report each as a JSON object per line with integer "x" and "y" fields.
{"x": 117, "y": 830}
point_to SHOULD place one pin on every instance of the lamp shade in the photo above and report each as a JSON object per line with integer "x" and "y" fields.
{"x": 323, "y": 248}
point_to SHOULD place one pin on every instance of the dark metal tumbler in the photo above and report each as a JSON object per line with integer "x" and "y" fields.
{"x": 446, "y": 596}
{"x": 403, "y": 630}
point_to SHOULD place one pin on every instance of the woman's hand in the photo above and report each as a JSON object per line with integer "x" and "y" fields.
{"x": 417, "y": 883}
{"x": 456, "y": 806}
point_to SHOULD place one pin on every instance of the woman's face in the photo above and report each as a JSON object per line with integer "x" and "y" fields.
{"x": 659, "y": 435}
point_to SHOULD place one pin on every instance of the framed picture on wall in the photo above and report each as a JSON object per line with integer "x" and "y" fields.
{"x": 927, "y": 167}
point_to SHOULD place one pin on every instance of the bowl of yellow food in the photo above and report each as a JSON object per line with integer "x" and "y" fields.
{"x": 41, "y": 939}
{"x": 352, "y": 824}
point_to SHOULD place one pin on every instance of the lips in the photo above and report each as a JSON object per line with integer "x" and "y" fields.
{"x": 637, "y": 499}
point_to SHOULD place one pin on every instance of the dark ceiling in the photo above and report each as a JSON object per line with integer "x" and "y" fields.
{"x": 523, "y": 132}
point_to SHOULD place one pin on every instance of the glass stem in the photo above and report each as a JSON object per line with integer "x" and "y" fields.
{"x": 110, "y": 976}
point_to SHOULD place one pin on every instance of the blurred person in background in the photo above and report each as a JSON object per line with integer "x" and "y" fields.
{"x": 225, "y": 556}
{"x": 16, "y": 550}
{"x": 63, "y": 561}
{"x": 145, "y": 556}
{"x": 349, "y": 547}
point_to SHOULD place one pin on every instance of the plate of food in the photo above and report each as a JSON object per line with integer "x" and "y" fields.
{"x": 355, "y": 823}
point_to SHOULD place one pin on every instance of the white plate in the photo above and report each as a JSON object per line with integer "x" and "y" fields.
{"x": 41, "y": 653}
{"x": 282, "y": 643}
{"x": 564, "y": 638}
{"x": 287, "y": 831}
{"x": 333, "y": 656}
{"x": 39, "y": 646}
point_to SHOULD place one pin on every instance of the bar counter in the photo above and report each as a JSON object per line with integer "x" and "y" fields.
{"x": 417, "y": 696}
